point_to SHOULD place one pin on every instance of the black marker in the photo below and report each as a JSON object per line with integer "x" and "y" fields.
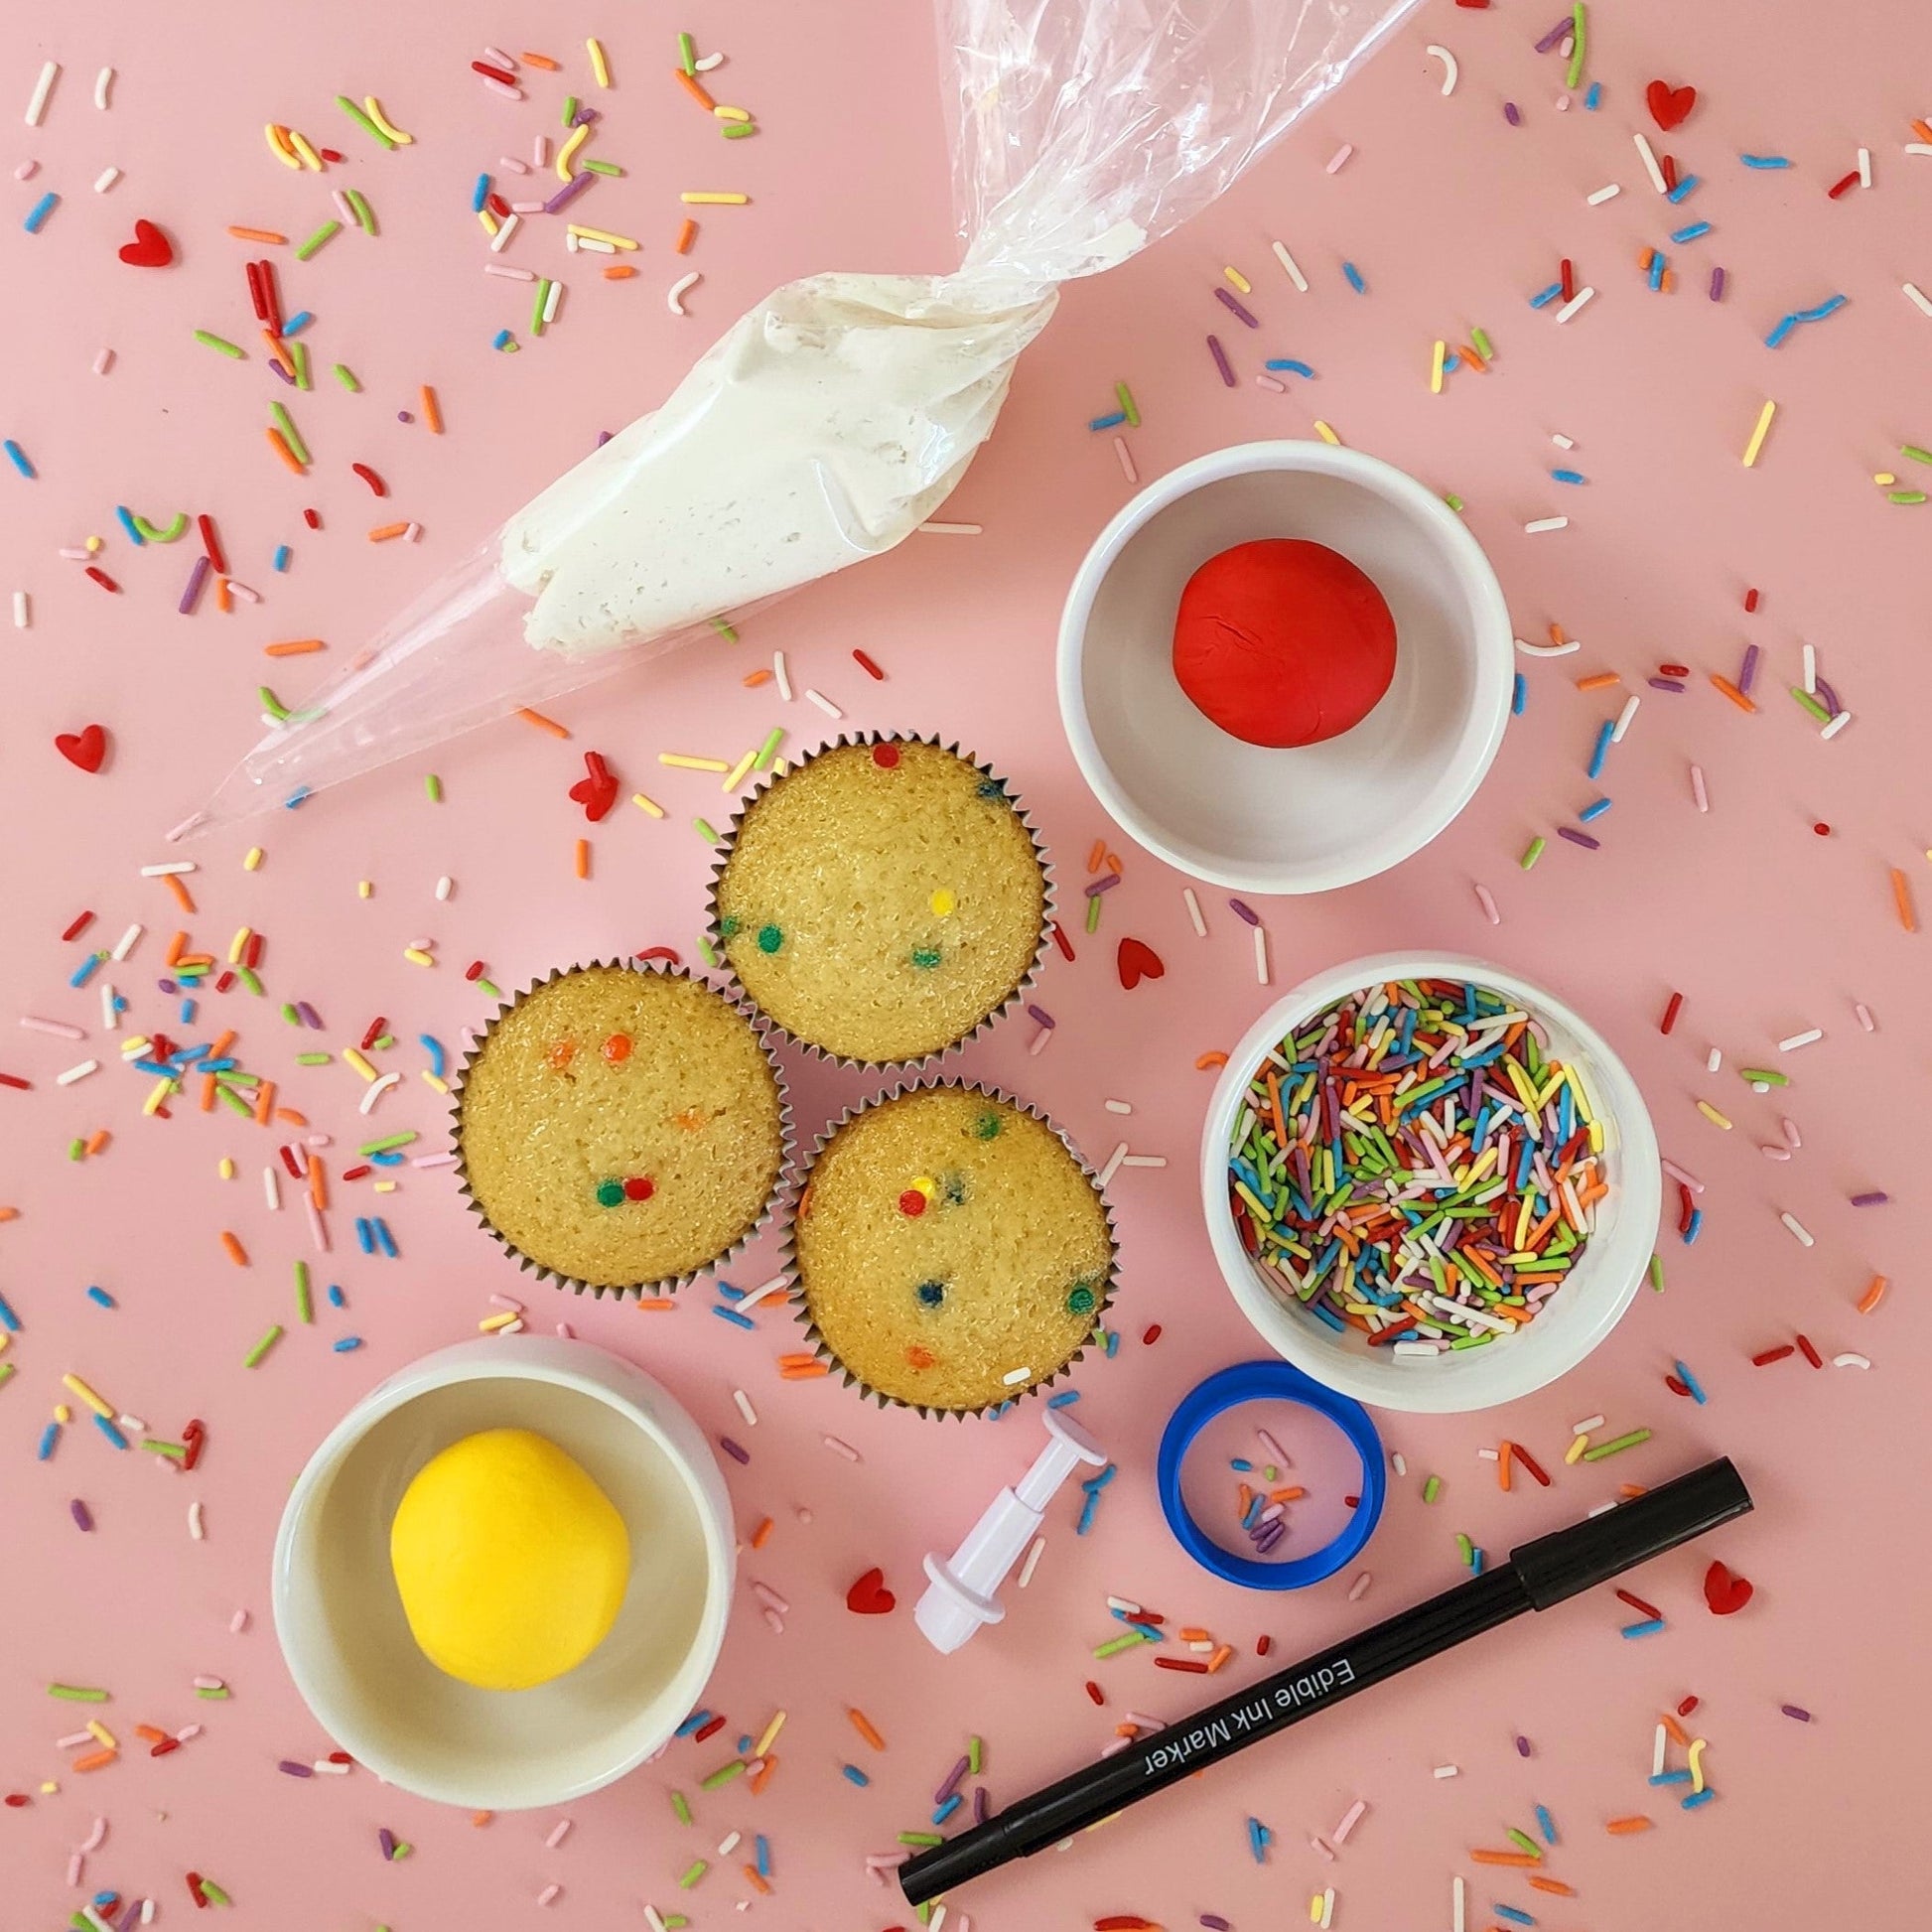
{"x": 1537, "y": 1576}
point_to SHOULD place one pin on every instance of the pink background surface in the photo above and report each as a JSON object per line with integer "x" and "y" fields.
{"x": 1454, "y": 217}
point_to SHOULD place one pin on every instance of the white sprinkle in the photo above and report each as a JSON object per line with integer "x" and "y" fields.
{"x": 271, "y": 1189}
{"x": 1260, "y": 954}
{"x": 1038, "y": 1044}
{"x": 1864, "y": 167}
{"x": 1414, "y": 1350}
{"x": 1352, "y": 1817}
{"x": 57, "y": 1028}
{"x": 1562, "y": 649}
{"x": 44, "y": 86}
{"x": 376, "y": 1090}
{"x": 1028, "y": 1568}
{"x": 1360, "y": 1588}
{"x": 1698, "y": 790}
{"x": 324, "y": 1767}
{"x": 1799, "y": 1230}
{"x": 778, "y": 671}
{"x": 952, "y": 529}
{"x": 1625, "y": 717}
{"x": 1015, "y": 1376}
{"x": 652, "y": 1919}
{"x": 552, "y": 297}
{"x": 745, "y": 1407}
{"x": 147, "y": 1911}
{"x": 445, "y": 885}
{"x": 846, "y": 1449}
{"x": 1597, "y": 1510}
{"x": 709, "y": 62}
{"x": 561, "y": 1831}
{"x": 195, "y": 1528}
{"x": 1585, "y": 1425}
{"x": 23, "y": 611}
{"x": 1117, "y": 1106}
{"x": 548, "y": 1893}
{"x": 759, "y": 1294}
{"x": 1489, "y": 1454}
{"x": 1659, "y": 1747}
{"x": 673, "y": 294}
{"x": 1487, "y": 899}
{"x": 1301, "y": 281}
{"x": 1112, "y": 1161}
{"x": 500, "y": 239}
{"x": 1918, "y": 147}
{"x": 1836, "y": 724}
{"x": 1329, "y": 1907}
{"x": 1543, "y": 524}
{"x": 1144, "y": 1160}
{"x": 1575, "y": 303}
{"x": 1339, "y": 158}
{"x": 104, "y": 85}
{"x": 1918, "y": 298}
{"x": 111, "y": 1008}
{"x": 1792, "y": 1041}
{"x": 1194, "y": 911}
{"x": 1771, "y": 1153}
{"x": 1563, "y": 442}
{"x": 1865, "y": 1017}
{"x": 106, "y": 180}
{"x": 1608, "y": 192}
{"x": 1650, "y": 166}
{"x": 1851, "y": 1360}
{"x": 1811, "y": 669}
{"x": 509, "y": 274}
{"x": 1449, "y": 68}
{"x": 1126, "y": 457}
{"x": 824, "y": 704}
{"x": 729, "y": 1843}
{"x": 1446, "y": 1771}
{"x": 76, "y": 1072}
{"x": 169, "y": 871}
{"x": 1398, "y": 1463}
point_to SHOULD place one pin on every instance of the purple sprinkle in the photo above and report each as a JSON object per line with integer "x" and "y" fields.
{"x": 1828, "y": 698}
{"x": 1796, "y": 1711}
{"x": 735, "y": 1451}
{"x": 129, "y": 1913}
{"x": 1749, "y": 670}
{"x": 1717, "y": 285}
{"x": 585, "y": 115}
{"x": 571, "y": 189}
{"x": 1104, "y": 883}
{"x": 275, "y": 369}
{"x": 387, "y": 1839}
{"x": 1221, "y": 362}
{"x": 603, "y": 437}
{"x": 1044, "y": 1017}
{"x": 979, "y": 1804}
{"x": 953, "y": 1778}
{"x": 196, "y": 582}
{"x": 1522, "y": 1747}
{"x": 1223, "y": 296}
{"x": 1215, "y": 1924}
{"x": 309, "y": 1016}
{"x": 1576, "y": 837}
{"x": 81, "y": 1514}
{"x": 1511, "y": 116}
{"x": 1869, "y": 1201}
{"x": 295, "y": 1770}
{"x": 1666, "y": 684}
{"x": 1270, "y": 1534}
{"x": 403, "y": 416}
{"x": 1555, "y": 33}
{"x": 1241, "y": 911}
{"x": 167, "y": 986}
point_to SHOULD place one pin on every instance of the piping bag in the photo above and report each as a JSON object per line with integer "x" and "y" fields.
{"x": 836, "y": 416}
{"x": 1537, "y": 1577}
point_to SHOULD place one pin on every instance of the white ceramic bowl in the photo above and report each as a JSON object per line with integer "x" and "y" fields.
{"x": 340, "y": 1618}
{"x": 1572, "y": 1323}
{"x": 1307, "y": 819}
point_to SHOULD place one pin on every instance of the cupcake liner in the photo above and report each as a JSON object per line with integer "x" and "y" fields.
{"x": 781, "y": 1186}
{"x": 1017, "y": 997}
{"x": 801, "y": 1181}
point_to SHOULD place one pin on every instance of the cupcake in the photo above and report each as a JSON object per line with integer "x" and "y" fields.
{"x": 951, "y": 1249}
{"x": 620, "y": 1129}
{"x": 881, "y": 900}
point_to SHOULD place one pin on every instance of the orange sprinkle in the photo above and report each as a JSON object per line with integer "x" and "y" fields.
{"x": 1097, "y": 854}
{"x": 383, "y": 532}
{"x": 794, "y": 1360}
{"x": 1210, "y": 1059}
{"x": 1195, "y": 1634}
{"x": 223, "y": 600}
{"x": 282, "y": 450}
{"x": 1113, "y": 863}
{"x": 318, "y": 1182}
{"x": 259, "y": 234}
{"x": 1675, "y": 1730}
{"x": 803, "y": 1374}
{"x": 1554, "y": 1886}
{"x": 222, "y": 1045}
{"x": 432, "y": 414}
{"x": 761, "y": 1775}
{"x": 1732, "y": 692}
{"x": 583, "y": 857}
{"x": 1474, "y": 360}
{"x": 622, "y": 272}
{"x": 542, "y": 722}
{"x": 277, "y": 351}
{"x": 173, "y": 882}
{"x": 1901, "y": 896}
{"x": 1555, "y": 635}
{"x": 761, "y": 1535}
{"x": 694, "y": 88}
{"x": 208, "y": 1093}
{"x": 752, "y": 1873}
{"x": 93, "y": 1761}
{"x": 97, "y": 1141}
{"x": 290, "y": 1118}
{"x": 1503, "y": 1456}
{"x": 657, "y": 1301}
{"x": 236, "y": 1252}
{"x": 148, "y": 1734}
{"x": 9, "y": 1213}
{"x": 686, "y": 235}
{"x": 1599, "y": 682}
{"x": 295, "y": 647}
{"x": 1628, "y": 1825}
{"x": 176, "y": 945}
{"x": 1219, "y": 1658}
{"x": 1648, "y": 256}
{"x": 755, "y": 679}
{"x": 862, "y": 1725}
{"x": 1506, "y": 1857}
{"x": 542, "y": 61}
{"x": 1873, "y": 1294}
{"x": 1285, "y": 1495}
{"x": 264, "y": 1100}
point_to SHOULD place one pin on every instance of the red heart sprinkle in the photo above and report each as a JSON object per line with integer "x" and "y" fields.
{"x": 1726, "y": 1593}
{"x": 87, "y": 748}
{"x": 1668, "y": 107}
{"x": 1138, "y": 961}
{"x": 598, "y": 792}
{"x": 150, "y": 248}
{"x": 868, "y": 1597}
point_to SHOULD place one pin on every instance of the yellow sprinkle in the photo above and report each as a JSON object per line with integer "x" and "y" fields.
{"x": 62, "y": 1414}
{"x": 1758, "y": 435}
{"x": 708, "y": 200}
{"x": 365, "y": 888}
{"x": 942, "y": 903}
{"x": 731, "y": 113}
{"x": 157, "y": 1095}
{"x": 384, "y": 1187}
{"x": 278, "y": 146}
{"x": 430, "y": 1079}
{"x": 687, "y": 763}
{"x": 132, "y": 1050}
{"x": 772, "y": 1731}
{"x": 87, "y": 1396}
{"x": 1239, "y": 280}
{"x": 926, "y": 1185}
{"x": 375, "y": 113}
{"x": 496, "y": 1321}
{"x": 238, "y": 944}
{"x": 598, "y": 64}
{"x": 1695, "y": 1757}
{"x": 253, "y": 861}
{"x": 1327, "y": 435}
{"x": 644, "y": 804}
{"x": 361, "y": 1066}
{"x": 1711, "y": 1114}
{"x": 1315, "y": 1909}
{"x": 599, "y": 235}
{"x": 418, "y": 957}
{"x": 310, "y": 158}
{"x": 736, "y": 776}
{"x": 225, "y": 1168}
{"x": 1575, "y": 1449}
{"x": 102, "y": 1736}
{"x": 1436, "y": 368}
{"x": 569, "y": 148}
{"x": 1884, "y": 479}
{"x": 487, "y": 220}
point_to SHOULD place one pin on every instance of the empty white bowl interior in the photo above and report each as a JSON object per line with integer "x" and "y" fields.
{"x": 359, "y": 1667}
{"x": 1318, "y": 815}
{"x": 1601, "y": 1284}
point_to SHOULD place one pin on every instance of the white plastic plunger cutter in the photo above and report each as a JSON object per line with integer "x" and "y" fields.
{"x": 964, "y": 1590}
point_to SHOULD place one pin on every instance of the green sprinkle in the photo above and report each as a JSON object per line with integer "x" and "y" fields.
{"x": 364, "y": 215}
{"x": 1913, "y": 451}
{"x": 723, "y": 630}
{"x": 1431, "y": 1489}
{"x": 1480, "y": 342}
{"x": 695, "y": 1871}
{"x": 1115, "y": 1645}
{"x": 1523, "y": 1842}
{"x": 601, "y": 168}
{"x": 240, "y": 1079}
{"x": 174, "y": 1451}
{"x": 168, "y": 535}
{"x": 321, "y": 236}
{"x": 1630, "y": 1441}
{"x": 1906, "y": 496}
{"x": 305, "y": 1308}
{"x": 1657, "y": 1273}
{"x": 213, "y": 1894}
{"x": 299, "y": 355}
{"x": 923, "y": 1913}
{"x": 270, "y": 703}
{"x": 681, "y": 1805}
{"x": 536, "y": 306}
{"x": 1765, "y": 1074}
{"x": 384, "y": 1147}
{"x": 1128, "y": 406}
{"x": 1464, "y": 1549}
{"x": 403, "y": 1848}
{"x": 1453, "y": 501}
{"x": 769, "y": 749}
{"x": 209, "y": 339}
{"x": 738, "y": 131}
{"x": 723, "y": 1775}
{"x": 920, "y": 1837}
{"x": 491, "y": 991}
{"x": 347, "y": 377}
{"x": 362, "y": 121}
{"x": 291, "y": 434}
{"x": 1532, "y": 853}
{"x": 290, "y": 1015}
{"x": 433, "y": 788}
{"x": 974, "y": 1752}
{"x": 610, "y": 1193}
{"x": 229, "y": 1098}
{"x": 1811, "y": 704}
{"x": 77, "y": 1149}
{"x": 687, "y": 54}
{"x": 1577, "y": 42}
{"x": 1093, "y": 912}
{"x": 313, "y": 1059}
{"x": 382, "y": 1042}
{"x": 706, "y": 830}
{"x": 770, "y": 938}
{"x": 247, "y": 976}
{"x": 77, "y": 1692}
{"x": 570, "y": 108}
{"x": 213, "y": 1693}
{"x": 262, "y": 1347}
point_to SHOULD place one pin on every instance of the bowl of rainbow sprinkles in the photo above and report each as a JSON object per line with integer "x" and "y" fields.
{"x": 1429, "y": 1182}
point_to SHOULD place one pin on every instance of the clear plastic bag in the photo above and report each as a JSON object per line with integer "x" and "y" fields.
{"x": 837, "y": 415}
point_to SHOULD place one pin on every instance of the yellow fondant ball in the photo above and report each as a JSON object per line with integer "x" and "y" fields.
{"x": 511, "y": 1560}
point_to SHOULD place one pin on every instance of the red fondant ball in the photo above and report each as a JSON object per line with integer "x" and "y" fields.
{"x": 1282, "y": 643}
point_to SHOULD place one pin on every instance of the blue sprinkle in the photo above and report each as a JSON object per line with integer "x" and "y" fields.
{"x": 1451, "y": 363}
{"x": 1657, "y": 267}
{"x": 1087, "y": 1509}
{"x": 100, "y": 1298}
{"x": 1691, "y": 1382}
{"x": 731, "y": 1291}
{"x": 48, "y": 1437}
{"x": 1519, "y": 696}
{"x": 695, "y": 1722}
{"x": 1548, "y": 295}
{"x": 1569, "y": 476}
{"x": 1682, "y": 191}
{"x": 214, "y": 1066}
{"x": 1698, "y": 1798}
{"x": 390, "y": 1157}
{"x": 112, "y": 1434}
{"x": 296, "y": 797}
{"x": 1325, "y": 1313}
{"x": 1354, "y": 275}
{"x": 1595, "y": 810}
{"x": 1695, "y": 1227}
{"x": 336, "y": 1298}
{"x": 763, "y": 1860}
{"x": 1764, "y": 161}
{"x": 500, "y": 337}
{"x": 1094, "y": 1483}
{"x": 385, "y": 1238}
{"x": 88, "y": 968}
{"x": 347, "y": 1345}
{"x": 363, "y": 1238}
{"x": 856, "y": 1776}
{"x": 946, "y": 1810}
{"x": 1061, "y": 1400}
{"x": 17, "y": 457}
{"x": 744, "y": 1744}
{"x": 1257, "y": 1838}
{"x": 1112, "y": 1343}
{"x": 1595, "y": 770}
{"x": 127, "y": 523}
{"x": 296, "y": 323}
{"x": 1241, "y": 1464}
{"x": 187, "y": 1011}
{"x": 1669, "y": 1777}
{"x": 281, "y": 556}
{"x": 1477, "y": 1562}
{"x": 1513, "y": 1914}
{"x": 731, "y": 1315}
{"x": 1112, "y": 421}
{"x": 1593, "y": 99}
{"x": 8, "y": 1320}
{"x": 37, "y": 214}
{"x": 1647, "y": 1628}
{"x": 479, "y": 195}
{"x": 1288, "y": 362}
{"x": 1829, "y": 306}
{"x": 1691, "y": 232}
{"x": 157, "y": 1068}
{"x": 1546, "y": 1824}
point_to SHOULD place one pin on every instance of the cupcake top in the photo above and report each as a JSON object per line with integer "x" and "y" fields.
{"x": 620, "y": 1128}
{"x": 951, "y": 1251}
{"x": 881, "y": 900}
